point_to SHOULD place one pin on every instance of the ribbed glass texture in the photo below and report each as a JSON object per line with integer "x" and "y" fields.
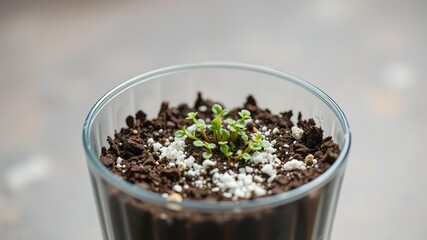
{"x": 128, "y": 212}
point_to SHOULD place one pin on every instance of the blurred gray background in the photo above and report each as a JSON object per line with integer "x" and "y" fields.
{"x": 58, "y": 57}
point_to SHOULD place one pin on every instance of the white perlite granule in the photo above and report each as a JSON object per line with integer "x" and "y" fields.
{"x": 157, "y": 146}
{"x": 267, "y": 169}
{"x": 189, "y": 161}
{"x": 165, "y": 195}
{"x": 208, "y": 163}
{"x": 150, "y": 140}
{"x": 119, "y": 160}
{"x": 203, "y": 108}
{"x": 297, "y": 132}
{"x": 293, "y": 165}
{"x": 177, "y": 188}
{"x": 249, "y": 169}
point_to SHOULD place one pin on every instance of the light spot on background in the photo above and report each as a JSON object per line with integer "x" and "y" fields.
{"x": 385, "y": 103}
{"x": 386, "y": 40}
{"x": 26, "y": 173}
{"x": 398, "y": 76}
{"x": 333, "y": 11}
{"x": 8, "y": 215}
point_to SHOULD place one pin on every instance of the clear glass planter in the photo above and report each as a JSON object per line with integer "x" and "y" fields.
{"x": 129, "y": 212}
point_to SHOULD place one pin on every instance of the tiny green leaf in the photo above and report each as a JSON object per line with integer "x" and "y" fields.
{"x": 244, "y": 136}
{"x": 222, "y": 142}
{"x": 246, "y": 156}
{"x": 198, "y": 143}
{"x": 191, "y": 115}
{"x": 265, "y": 144}
{"x": 258, "y": 136}
{"x": 216, "y": 109}
{"x": 224, "y": 149}
{"x": 232, "y": 129}
{"x": 241, "y": 123}
{"x": 224, "y": 133}
{"x": 207, "y": 155}
{"x": 225, "y": 112}
{"x": 211, "y": 145}
{"x": 201, "y": 123}
{"x": 255, "y": 146}
{"x": 230, "y": 121}
{"x": 244, "y": 114}
{"x": 179, "y": 134}
{"x": 216, "y": 124}
{"x": 239, "y": 152}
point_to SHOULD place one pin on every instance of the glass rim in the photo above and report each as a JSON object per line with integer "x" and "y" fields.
{"x": 201, "y": 206}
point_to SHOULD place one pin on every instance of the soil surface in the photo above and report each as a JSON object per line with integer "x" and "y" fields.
{"x": 143, "y": 154}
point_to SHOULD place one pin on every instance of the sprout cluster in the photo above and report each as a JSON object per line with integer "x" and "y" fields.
{"x": 227, "y": 133}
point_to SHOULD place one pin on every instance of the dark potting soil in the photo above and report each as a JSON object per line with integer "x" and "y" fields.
{"x": 147, "y": 154}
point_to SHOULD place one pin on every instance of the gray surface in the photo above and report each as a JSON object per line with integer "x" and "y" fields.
{"x": 57, "y": 59}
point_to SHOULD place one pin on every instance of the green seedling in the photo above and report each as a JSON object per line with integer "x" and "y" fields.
{"x": 237, "y": 128}
{"x": 209, "y": 147}
{"x": 256, "y": 143}
{"x": 240, "y": 154}
{"x": 225, "y": 134}
{"x": 183, "y": 132}
{"x": 200, "y": 124}
{"x": 225, "y": 149}
{"x": 219, "y": 133}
